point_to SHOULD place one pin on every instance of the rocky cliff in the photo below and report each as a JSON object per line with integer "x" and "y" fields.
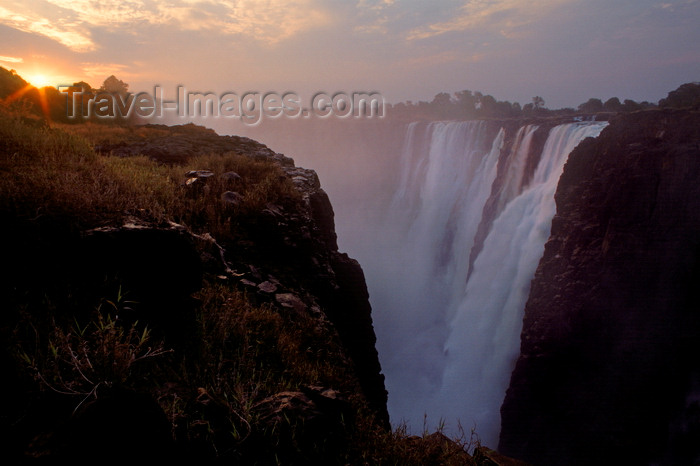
{"x": 231, "y": 330}
{"x": 288, "y": 250}
{"x": 609, "y": 370}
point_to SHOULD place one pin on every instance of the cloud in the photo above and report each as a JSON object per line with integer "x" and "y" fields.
{"x": 101, "y": 70}
{"x": 7, "y": 59}
{"x": 70, "y": 22}
{"x": 447, "y": 56}
{"x": 500, "y": 16}
{"x": 62, "y": 30}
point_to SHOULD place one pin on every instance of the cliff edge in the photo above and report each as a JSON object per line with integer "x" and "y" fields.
{"x": 608, "y": 371}
{"x": 172, "y": 294}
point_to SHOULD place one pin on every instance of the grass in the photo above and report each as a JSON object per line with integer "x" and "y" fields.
{"x": 51, "y": 172}
{"x": 103, "y": 134}
{"x": 75, "y": 346}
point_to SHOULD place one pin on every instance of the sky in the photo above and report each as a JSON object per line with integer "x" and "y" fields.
{"x": 563, "y": 50}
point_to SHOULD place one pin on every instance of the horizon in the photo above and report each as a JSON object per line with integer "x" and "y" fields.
{"x": 566, "y": 51}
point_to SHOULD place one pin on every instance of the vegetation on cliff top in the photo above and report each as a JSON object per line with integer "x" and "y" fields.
{"x": 460, "y": 105}
{"x": 465, "y": 105}
{"x": 79, "y": 357}
{"x": 210, "y": 385}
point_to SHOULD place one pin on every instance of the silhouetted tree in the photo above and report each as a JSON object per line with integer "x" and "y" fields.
{"x": 442, "y": 99}
{"x": 488, "y": 105}
{"x": 77, "y": 106}
{"x": 687, "y": 95}
{"x": 441, "y": 105}
{"x": 115, "y": 86}
{"x": 593, "y": 105}
{"x": 613, "y": 104}
{"x": 10, "y": 82}
{"x": 80, "y": 86}
{"x": 465, "y": 104}
{"x": 631, "y": 106}
{"x": 537, "y": 102}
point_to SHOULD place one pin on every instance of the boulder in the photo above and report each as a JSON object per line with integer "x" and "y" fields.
{"x": 290, "y": 301}
{"x": 308, "y": 426}
{"x": 267, "y": 287}
{"x": 231, "y": 198}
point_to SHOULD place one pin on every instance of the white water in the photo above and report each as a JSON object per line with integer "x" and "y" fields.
{"x": 448, "y": 345}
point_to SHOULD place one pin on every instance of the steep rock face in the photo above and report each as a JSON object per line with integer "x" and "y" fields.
{"x": 299, "y": 251}
{"x": 283, "y": 255}
{"x": 295, "y": 252}
{"x": 608, "y": 371}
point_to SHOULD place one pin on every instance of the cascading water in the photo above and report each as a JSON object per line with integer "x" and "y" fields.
{"x": 448, "y": 343}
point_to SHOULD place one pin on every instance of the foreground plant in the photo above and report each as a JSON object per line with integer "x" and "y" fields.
{"x": 104, "y": 354}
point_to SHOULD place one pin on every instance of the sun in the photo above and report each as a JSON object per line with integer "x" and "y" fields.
{"x": 40, "y": 80}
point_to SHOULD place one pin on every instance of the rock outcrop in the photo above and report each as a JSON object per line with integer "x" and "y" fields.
{"x": 609, "y": 367}
{"x": 283, "y": 258}
{"x": 295, "y": 251}
{"x": 172, "y": 144}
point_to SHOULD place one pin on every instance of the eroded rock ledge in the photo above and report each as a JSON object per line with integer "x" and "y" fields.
{"x": 608, "y": 371}
{"x": 291, "y": 258}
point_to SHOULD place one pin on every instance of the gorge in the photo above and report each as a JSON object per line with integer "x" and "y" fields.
{"x": 459, "y": 317}
{"x": 533, "y": 281}
{"x": 450, "y": 237}
{"x": 449, "y": 240}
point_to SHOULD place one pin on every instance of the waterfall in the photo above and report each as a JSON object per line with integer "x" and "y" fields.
{"x": 449, "y": 327}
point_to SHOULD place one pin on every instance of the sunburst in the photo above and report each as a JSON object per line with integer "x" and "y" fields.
{"x": 37, "y": 83}
{"x": 40, "y": 80}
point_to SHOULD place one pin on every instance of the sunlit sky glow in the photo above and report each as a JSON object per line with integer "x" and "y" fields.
{"x": 563, "y": 50}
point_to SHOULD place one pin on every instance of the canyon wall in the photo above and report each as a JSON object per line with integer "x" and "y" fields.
{"x": 608, "y": 371}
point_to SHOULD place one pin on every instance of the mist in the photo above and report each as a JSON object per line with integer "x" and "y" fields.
{"x": 448, "y": 220}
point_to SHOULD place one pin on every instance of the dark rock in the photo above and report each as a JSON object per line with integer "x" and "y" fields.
{"x": 307, "y": 427}
{"x": 304, "y": 178}
{"x": 291, "y": 301}
{"x": 197, "y": 179}
{"x": 231, "y": 198}
{"x": 199, "y": 174}
{"x": 290, "y": 246}
{"x": 484, "y": 456}
{"x": 438, "y": 449}
{"x": 248, "y": 283}
{"x": 158, "y": 268}
{"x": 117, "y": 427}
{"x": 308, "y": 405}
{"x": 211, "y": 253}
{"x": 267, "y": 287}
{"x": 255, "y": 272}
{"x": 611, "y": 330}
{"x": 299, "y": 246}
{"x": 231, "y": 176}
{"x": 350, "y": 311}
{"x": 273, "y": 210}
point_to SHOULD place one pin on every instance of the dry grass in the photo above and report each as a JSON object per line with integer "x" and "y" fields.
{"x": 243, "y": 352}
{"x": 102, "y": 134}
{"x": 49, "y": 171}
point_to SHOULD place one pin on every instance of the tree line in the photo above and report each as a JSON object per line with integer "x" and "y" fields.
{"x": 53, "y": 104}
{"x": 467, "y": 105}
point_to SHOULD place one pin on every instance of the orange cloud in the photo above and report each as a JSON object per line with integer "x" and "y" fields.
{"x": 7, "y": 59}
{"x": 69, "y": 21}
{"x": 501, "y": 16}
{"x": 61, "y": 30}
